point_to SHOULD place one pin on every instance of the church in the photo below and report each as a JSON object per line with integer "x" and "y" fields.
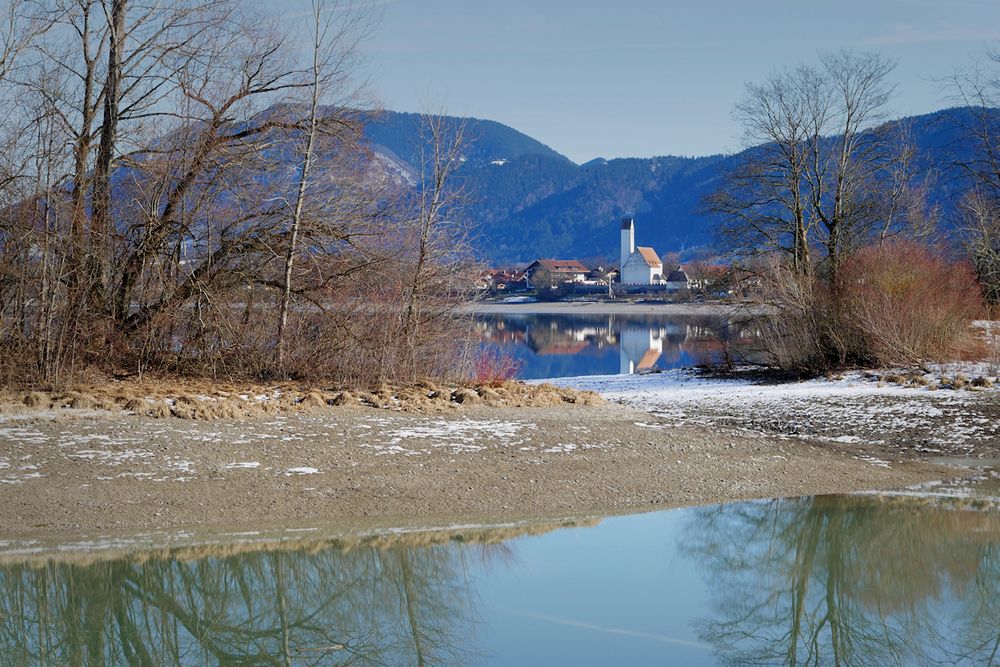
{"x": 639, "y": 266}
{"x": 642, "y": 266}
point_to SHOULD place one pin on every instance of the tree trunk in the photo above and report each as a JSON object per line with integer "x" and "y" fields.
{"x": 101, "y": 225}
{"x": 300, "y": 195}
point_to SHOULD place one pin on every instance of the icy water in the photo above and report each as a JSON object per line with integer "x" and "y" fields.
{"x": 548, "y": 346}
{"x": 858, "y": 580}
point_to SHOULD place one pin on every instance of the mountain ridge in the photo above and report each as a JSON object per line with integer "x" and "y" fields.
{"x": 530, "y": 201}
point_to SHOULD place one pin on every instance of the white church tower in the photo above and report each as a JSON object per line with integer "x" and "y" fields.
{"x": 639, "y": 265}
{"x": 628, "y": 240}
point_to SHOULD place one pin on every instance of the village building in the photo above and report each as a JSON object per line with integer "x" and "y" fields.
{"x": 677, "y": 279}
{"x": 639, "y": 266}
{"x": 503, "y": 279}
{"x": 642, "y": 266}
{"x": 559, "y": 271}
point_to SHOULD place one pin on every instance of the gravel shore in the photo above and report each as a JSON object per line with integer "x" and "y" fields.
{"x": 86, "y": 474}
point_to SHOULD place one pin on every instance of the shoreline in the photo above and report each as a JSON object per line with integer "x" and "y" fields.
{"x": 607, "y": 308}
{"x": 76, "y": 477}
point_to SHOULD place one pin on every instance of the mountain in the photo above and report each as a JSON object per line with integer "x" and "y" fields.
{"x": 528, "y": 201}
{"x": 398, "y": 135}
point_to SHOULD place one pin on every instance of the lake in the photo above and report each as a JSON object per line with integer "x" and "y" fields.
{"x": 558, "y": 345}
{"x": 855, "y": 580}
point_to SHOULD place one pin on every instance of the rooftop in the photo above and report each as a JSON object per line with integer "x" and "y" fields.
{"x": 648, "y": 254}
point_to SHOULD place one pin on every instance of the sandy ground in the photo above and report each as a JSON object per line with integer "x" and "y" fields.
{"x": 93, "y": 474}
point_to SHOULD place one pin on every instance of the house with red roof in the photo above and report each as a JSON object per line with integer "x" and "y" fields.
{"x": 559, "y": 270}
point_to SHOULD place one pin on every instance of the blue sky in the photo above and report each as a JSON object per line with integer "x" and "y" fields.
{"x": 645, "y": 77}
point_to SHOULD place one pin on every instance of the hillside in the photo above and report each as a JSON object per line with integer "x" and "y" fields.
{"x": 529, "y": 201}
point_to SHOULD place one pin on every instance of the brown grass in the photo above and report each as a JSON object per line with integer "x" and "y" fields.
{"x": 200, "y": 400}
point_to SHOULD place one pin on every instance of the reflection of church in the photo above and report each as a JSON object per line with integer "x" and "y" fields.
{"x": 642, "y": 343}
{"x": 640, "y": 349}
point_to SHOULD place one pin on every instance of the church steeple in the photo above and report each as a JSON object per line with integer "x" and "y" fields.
{"x": 628, "y": 240}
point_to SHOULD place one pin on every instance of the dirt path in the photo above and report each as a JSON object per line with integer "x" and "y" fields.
{"x": 77, "y": 476}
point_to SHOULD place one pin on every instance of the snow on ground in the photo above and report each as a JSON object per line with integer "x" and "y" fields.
{"x": 853, "y": 408}
{"x": 456, "y": 435}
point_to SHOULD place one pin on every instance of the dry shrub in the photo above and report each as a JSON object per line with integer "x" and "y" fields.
{"x": 136, "y": 405}
{"x": 81, "y": 401}
{"x": 313, "y": 400}
{"x": 793, "y": 335}
{"x": 343, "y": 398}
{"x": 465, "y": 396}
{"x": 158, "y": 410}
{"x": 909, "y": 305}
{"x": 899, "y": 304}
{"x": 37, "y": 400}
{"x": 493, "y": 366}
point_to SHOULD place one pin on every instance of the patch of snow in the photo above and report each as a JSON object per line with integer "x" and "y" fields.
{"x": 304, "y": 470}
{"x": 460, "y": 435}
{"x": 874, "y": 461}
{"x": 560, "y": 449}
{"x": 107, "y": 457}
{"x": 242, "y": 464}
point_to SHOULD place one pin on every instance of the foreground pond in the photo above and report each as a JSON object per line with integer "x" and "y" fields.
{"x": 825, "y": 580}
{"x": 548, "y": 346}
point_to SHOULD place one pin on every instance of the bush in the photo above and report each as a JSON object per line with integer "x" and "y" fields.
{"x": 908, "y": 304}
{"x": 493, "y": 367}
{"x": 892, "y": 305}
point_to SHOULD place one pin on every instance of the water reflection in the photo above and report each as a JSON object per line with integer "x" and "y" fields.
{"x": 567, "y": 345}
{"x": 849, "y": 581}
{"x": 828, "y": 580}
{"x": 403, "y": 605}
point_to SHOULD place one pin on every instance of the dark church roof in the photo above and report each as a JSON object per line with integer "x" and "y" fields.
{"x": 627, "y": 223}
{"x": 677, "y": 276}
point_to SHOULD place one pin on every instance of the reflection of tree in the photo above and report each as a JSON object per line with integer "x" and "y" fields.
{"x": 849, "y": 581}
{"x": 405, "y": 604}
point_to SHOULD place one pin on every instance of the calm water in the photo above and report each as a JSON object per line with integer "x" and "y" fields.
{"x": 827, "y": 580}
{"x": 568, "y": 345}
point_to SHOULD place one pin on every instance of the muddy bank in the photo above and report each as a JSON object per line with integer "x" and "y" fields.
{"x": 362, "y": 466}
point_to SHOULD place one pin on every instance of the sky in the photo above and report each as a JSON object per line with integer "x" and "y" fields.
{"x": 637, "y": 78}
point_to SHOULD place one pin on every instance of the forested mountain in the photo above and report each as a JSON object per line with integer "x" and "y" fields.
{"x": 528, "y": 201}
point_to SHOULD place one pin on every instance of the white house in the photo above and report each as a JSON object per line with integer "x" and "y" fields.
{"x": 640, "y": 266}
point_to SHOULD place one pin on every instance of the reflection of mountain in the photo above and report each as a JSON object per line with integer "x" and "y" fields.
{"x": 849, "y": 581}
{"x": 607, "y": 344}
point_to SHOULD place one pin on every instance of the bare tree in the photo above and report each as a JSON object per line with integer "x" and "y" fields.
{"x": 980, "y": 166}
{"x": 336, "y": 29}
{"x": 824, "y": 175}
{"x": 766, "y": 200}
{"x": 174, "y": 178}
{"x": 440, "y": 236}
